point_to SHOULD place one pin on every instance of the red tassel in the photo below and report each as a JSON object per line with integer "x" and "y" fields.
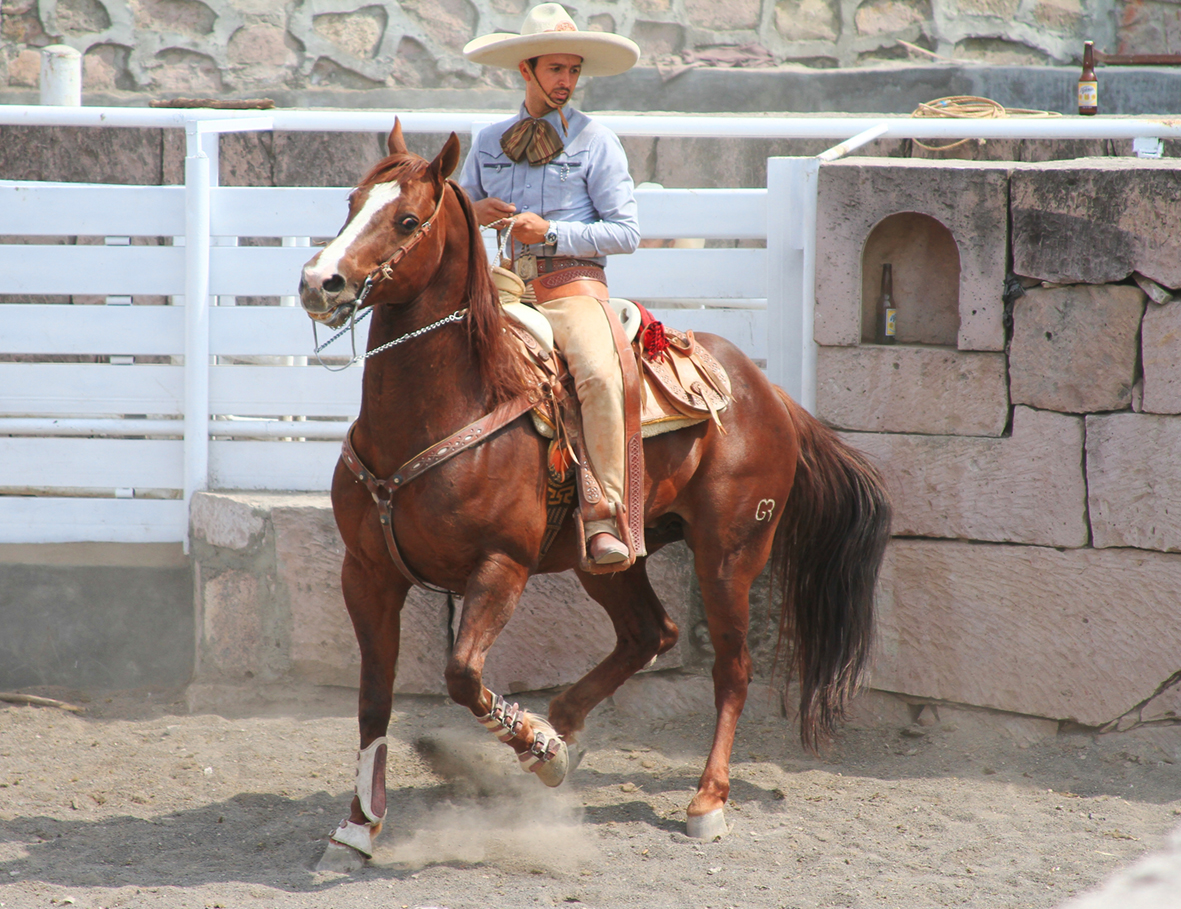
{"x": 654, "y": 341}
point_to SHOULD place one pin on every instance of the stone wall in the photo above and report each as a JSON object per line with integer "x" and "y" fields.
{"x": 139, "y": 49}
{"x": 1037, "y": 551}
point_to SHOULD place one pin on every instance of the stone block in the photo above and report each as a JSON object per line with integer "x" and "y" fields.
{"x": 1096, "y": 220}
{"x": 78, "y": 154}
{"x": 807, "y": 20}
{"x": 903, "y": 388}
{"x": 886, "y": 17}
{"x": 1027, "y": 488}
{"x": 1164, "y": 706}
{"x": 976, "y": 727}
{"x": 224, "y": 521}
{"x": 873, "y": 709}
{"x": 25, "y": 70}
{"x": 708, "y": 14}
{"x": 280, "y": 557}
{"x": 326, "y": 159}
{"x": 308, "y": 557}
{"x": 1081, "y": 635}
{"x": 1160, "y": 339}
{"x": 233, "y": 642}
{"x": 558, "y": 633}
{"x": 1134, "y": 481}
{"x": 969, "y": 199}
{"x": 662, "y": 696}
{"x": 1075, "y": 348}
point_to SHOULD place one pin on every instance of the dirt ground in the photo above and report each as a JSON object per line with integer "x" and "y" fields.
{"x": 137, "y": 802}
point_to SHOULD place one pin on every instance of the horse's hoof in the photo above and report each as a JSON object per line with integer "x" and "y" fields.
{"x": 340, "y": 859}
{"x": 552, "y": 770}
{"x": 709, "y": 826}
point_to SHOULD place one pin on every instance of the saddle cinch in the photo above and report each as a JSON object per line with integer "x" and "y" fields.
{"x": 670, "y": 382}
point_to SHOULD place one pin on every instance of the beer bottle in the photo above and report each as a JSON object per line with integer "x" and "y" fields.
{"x": 1088, "y": 85}
{"x": 886, "y": 312}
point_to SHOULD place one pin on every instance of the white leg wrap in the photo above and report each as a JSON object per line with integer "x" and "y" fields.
{"x": 355, "y": 835}
{"x": 547, "y": 756}
{"x": 504, "y": 720}
{"x": 366, "y": 761}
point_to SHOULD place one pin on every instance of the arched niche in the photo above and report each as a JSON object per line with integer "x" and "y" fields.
{"x": 926, "y": 267}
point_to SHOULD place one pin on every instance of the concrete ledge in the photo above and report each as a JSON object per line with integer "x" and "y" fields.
{"x": 269, "y": 607}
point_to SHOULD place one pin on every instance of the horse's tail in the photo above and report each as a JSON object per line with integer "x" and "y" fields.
{"x": 824, "y": 565}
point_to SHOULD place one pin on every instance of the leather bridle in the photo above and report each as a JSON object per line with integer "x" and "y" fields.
{"x": 385, "y": 271}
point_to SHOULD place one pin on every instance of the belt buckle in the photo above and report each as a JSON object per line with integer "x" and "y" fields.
{"x": 527, "y": 267}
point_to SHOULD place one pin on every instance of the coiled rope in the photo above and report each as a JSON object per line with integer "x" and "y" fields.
{"x": 969, "y": 107}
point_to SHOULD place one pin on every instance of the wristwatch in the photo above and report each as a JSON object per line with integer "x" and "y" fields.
{"x": 551, "y": 235}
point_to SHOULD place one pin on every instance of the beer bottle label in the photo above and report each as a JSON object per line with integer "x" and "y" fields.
{"x": 890, "y": 323}
{"x": 1088, "y": 94}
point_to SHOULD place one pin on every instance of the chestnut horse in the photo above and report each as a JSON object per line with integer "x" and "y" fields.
{"x": 776, "y": 485}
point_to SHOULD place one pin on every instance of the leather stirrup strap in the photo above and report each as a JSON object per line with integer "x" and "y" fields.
{"x": 633, "y": 440}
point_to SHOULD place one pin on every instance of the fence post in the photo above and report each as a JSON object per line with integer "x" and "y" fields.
{"x": 61, "y": 76}
{"x": 791, "y": 276}
{"x": 196, "y": 444}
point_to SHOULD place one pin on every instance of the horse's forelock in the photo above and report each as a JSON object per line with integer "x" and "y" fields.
{"x": 393, "y": 168}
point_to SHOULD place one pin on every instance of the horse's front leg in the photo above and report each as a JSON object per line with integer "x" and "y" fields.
{"x": 374, "y": 597}
{"x": 489, "y": 600}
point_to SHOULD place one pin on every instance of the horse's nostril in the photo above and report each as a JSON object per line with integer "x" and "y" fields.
{"x": 334, "y": 285}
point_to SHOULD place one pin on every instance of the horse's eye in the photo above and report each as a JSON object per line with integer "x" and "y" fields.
{"x": 408, "y": 223}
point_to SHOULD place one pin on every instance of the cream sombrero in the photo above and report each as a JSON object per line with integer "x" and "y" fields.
{"x": 548, "y": 29}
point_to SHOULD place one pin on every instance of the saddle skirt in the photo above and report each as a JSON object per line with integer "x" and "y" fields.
{"x": 683, "y": 384}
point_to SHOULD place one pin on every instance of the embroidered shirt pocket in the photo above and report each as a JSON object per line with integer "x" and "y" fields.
{"x": 565, "y": 182}
{"x": 496, "y": 176}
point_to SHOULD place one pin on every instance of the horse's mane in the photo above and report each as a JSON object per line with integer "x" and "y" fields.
{"x": 499, "y": 365}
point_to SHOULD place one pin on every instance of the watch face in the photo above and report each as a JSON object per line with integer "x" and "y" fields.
{"x": 551, "y": 237}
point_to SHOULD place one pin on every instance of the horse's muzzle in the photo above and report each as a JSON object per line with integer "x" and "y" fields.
{"x": 327, "y": 308}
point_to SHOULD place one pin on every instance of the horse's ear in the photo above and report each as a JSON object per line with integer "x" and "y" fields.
{"x": 396, "y": 144}
{"x": 448, "y": 158}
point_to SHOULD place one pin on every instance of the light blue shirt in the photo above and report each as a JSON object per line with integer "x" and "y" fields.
{"x": 586, "y": 192}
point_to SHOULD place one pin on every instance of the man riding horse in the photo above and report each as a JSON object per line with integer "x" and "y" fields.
{"x": 559, "y": 183}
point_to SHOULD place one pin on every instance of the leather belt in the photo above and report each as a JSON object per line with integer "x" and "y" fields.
{"x": 529, "y": 266}
{"x": 549, "y": 264}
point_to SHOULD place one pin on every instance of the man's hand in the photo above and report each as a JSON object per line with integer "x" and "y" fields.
{"x": 490, "y": 210}
{"x": 530, "y": 227}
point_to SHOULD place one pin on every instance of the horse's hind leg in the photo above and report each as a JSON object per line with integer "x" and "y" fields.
{"x": 374, "y": 598}
{"x": 643, "y": 631}
{"x": 726, "y": 578}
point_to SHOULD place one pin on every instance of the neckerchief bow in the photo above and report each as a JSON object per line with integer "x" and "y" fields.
{"x": 531, "y": 138}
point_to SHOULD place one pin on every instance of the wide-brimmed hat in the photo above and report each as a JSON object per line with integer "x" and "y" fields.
{"x": 548, "y": 29}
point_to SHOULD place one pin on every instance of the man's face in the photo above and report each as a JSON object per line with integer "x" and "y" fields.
{"x": 555, "y": 74}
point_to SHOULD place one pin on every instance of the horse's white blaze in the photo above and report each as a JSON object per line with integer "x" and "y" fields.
{"x": 328, "y": 262}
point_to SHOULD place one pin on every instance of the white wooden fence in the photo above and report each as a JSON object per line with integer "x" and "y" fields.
{"x": 98, "y": 450}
